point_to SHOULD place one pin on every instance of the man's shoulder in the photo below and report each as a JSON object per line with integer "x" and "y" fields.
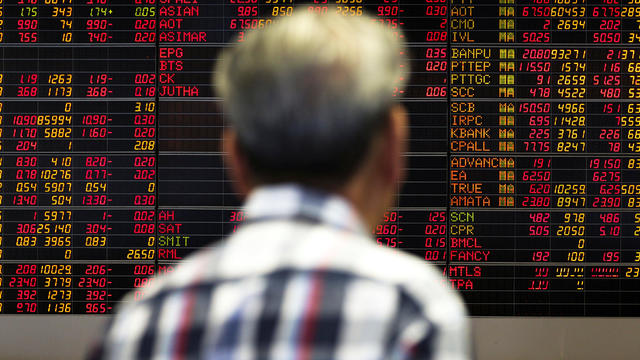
{"x": 409, "y": 273}
{"x": 250, "y": 254}
{"x": 390, "y": 265}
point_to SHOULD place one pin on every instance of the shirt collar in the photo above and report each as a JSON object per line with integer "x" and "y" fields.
{"x": 293, "y": 201}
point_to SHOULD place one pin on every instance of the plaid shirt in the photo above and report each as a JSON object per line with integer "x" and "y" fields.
{"x": 302, "y": 279}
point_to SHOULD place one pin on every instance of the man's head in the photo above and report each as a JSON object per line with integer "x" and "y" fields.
{"x": 310, "y": 100}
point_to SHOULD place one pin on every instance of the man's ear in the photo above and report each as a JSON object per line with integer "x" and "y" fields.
{"x": 396, "y": 142}
{"x": 236, "y": 162}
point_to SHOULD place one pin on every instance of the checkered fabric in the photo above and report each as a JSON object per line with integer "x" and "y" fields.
{"x": 301, "y": 279}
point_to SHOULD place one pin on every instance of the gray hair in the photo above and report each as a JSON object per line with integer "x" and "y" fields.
{"x": 306, "y": 94}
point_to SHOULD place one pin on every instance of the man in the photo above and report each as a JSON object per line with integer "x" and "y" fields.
{"x": 316, "y": 143}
